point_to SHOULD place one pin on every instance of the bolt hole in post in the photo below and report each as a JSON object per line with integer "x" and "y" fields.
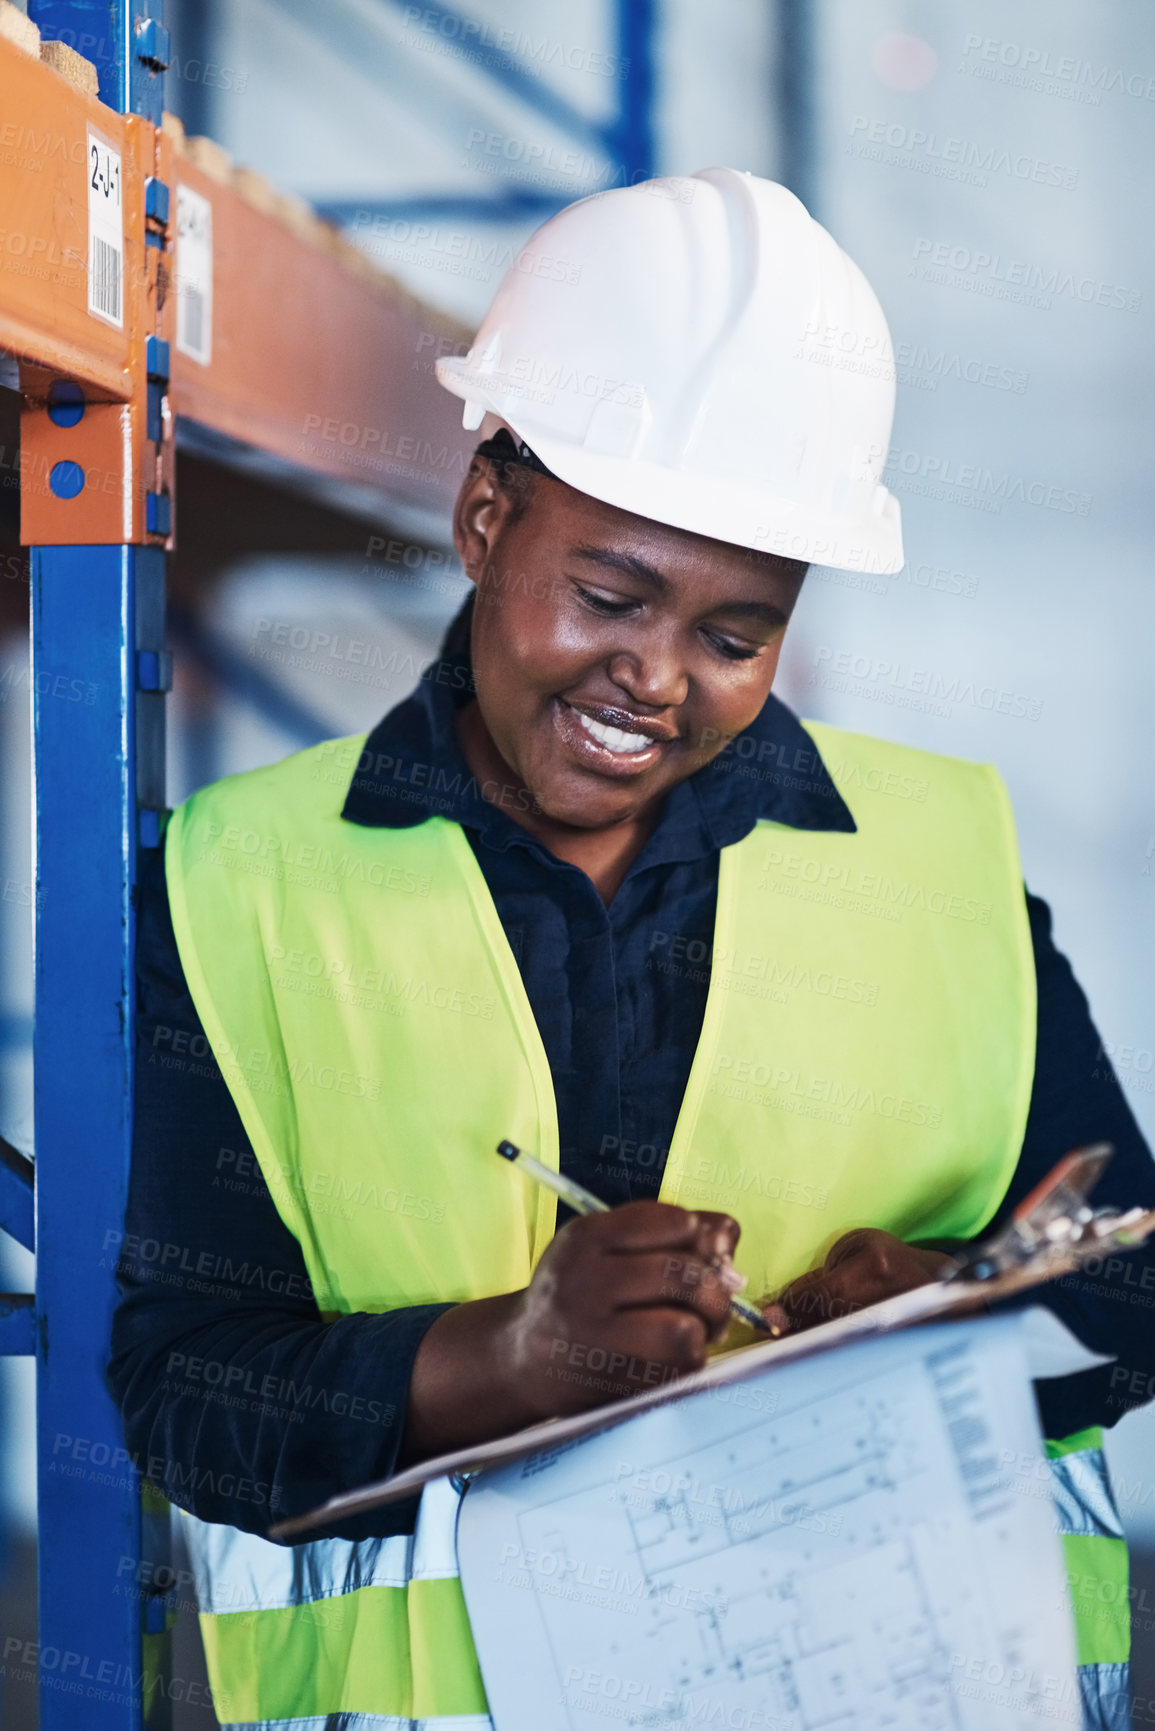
{"x": 65, "y": 405}
{"x": 66, "y": 480}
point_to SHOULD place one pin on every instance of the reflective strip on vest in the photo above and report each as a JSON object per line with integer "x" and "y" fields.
{"x": 859, "y": 983}
{"x": 1083, "y": 1497}
{"x": 1106, "y": 1696}
{"x": 238, "y": 1571}
{"x": 339, "y": 1632}
{"x": 1095, "y": 1555}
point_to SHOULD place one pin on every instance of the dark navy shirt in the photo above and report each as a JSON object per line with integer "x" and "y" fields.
{"x": 239, "y": 1401}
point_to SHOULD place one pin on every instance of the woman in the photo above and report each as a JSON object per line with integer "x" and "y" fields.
{"x": 773, "y": 991}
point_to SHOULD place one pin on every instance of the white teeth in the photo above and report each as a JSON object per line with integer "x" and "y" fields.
{"x": 612, "y": 737}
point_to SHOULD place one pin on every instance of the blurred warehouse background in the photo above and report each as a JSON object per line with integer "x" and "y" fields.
{"x": 986, "y": 166}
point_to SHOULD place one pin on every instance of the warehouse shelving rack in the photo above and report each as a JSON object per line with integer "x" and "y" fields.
{"x": 319, "y": 365}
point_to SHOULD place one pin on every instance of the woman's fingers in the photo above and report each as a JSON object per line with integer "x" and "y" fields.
{"x": 669, "y": 1279}
{"x": 864, "y": 1267}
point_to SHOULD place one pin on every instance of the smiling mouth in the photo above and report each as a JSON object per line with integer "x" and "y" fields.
{"x": 614, "y": 739}
{"x": 607, "y": 748}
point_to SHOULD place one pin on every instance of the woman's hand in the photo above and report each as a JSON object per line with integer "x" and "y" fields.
{"x": 862, "y": 1268}
{"x": 619, "y": 1303}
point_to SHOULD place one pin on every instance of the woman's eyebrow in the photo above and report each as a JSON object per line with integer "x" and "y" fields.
{"x": 764, "y": 612}
{"x": 626, "y": 563}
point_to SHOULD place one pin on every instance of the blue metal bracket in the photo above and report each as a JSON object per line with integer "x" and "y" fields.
{"x": 152, "y": 44}
{"x": 158, "y": 513}
{"x": 156, "y": 207}
{"x": 153, "y": 670}
{"x": 127, "y": 45}
{"x": 156, "y": 358}
{"x": 17, "y": 1325}
{"x": 17, "y": 1211}
{"x": 157, "y": 367}
{"x": 156, "y": 196}
{"x": 149, "y": 827}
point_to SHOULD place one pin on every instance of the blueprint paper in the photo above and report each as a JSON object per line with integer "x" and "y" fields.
{"x": 835, "y": 1545}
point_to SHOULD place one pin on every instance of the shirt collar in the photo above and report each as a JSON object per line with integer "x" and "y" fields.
{"x": 412, "y": 768}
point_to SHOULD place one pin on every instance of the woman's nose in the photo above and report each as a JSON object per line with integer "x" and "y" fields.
{"x": 652, "y": 676}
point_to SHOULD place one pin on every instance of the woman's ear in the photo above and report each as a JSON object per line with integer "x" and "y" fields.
{"x": 477, "y": 517}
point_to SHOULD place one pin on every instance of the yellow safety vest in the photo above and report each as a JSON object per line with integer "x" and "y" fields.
{"x": 866, "y": 1059}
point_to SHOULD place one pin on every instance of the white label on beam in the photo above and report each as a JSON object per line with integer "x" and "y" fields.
{"x": 105, "y": 232}
{"x": 194, "y": 275}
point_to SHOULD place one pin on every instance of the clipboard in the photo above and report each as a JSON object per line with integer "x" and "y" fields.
{"x": 1052, "y": 1232}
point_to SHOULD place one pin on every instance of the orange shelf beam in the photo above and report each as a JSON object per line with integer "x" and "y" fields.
{"x": 44, "y": 316}
{"x": 317, "y": 358}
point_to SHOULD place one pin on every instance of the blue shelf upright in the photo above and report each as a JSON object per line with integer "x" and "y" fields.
{"x": 98, "y": 669}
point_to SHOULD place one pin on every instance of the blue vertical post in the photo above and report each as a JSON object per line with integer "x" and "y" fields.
{"x": 795, "y": 100}
{"x": 84, "y": 610}
{"x": 126, "y": 42}
{"x": 633, "y": 136}
{"x": 195, "y": 36}
{"x": 98, "y": 755}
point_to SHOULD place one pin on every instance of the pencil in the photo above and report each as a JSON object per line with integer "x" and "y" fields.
{"x": 582, "y": 1201}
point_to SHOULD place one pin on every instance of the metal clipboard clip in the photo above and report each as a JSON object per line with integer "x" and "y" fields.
{"x": 1054, "y": 1229}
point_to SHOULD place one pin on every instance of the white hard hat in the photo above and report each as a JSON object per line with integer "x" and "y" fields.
{"x": 701, "y": 352}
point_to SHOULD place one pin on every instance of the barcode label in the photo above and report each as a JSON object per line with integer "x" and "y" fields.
{"x": 105, "y": 232}
{"x": 105, "y": 268}
{"x": 194, "y": 275}
{"x": 193, "y": 331}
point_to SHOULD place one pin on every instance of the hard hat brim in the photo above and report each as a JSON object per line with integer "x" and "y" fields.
{"x": 715, "y": 506}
